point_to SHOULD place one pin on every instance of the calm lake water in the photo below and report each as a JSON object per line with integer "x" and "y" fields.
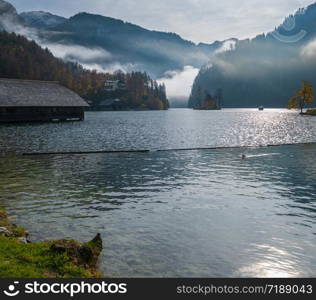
{"x": 202, "y": 213}
{"x": 178, "y": 128}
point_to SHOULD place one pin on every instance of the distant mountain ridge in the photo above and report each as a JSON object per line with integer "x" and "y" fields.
{"x": 41, "y": 19}
{"x": 129, "y": 45}
{"x": 265, "y": 70}
{"x": 108, "y": 44}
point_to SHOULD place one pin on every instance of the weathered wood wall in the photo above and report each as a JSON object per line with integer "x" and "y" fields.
{"x": 40, "y": 114}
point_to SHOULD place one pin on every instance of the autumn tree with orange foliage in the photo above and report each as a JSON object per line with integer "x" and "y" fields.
{"x": 302, "y": 97}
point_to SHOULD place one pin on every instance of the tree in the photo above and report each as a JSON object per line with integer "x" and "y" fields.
{"x": 24, "y": 59}
{"x": 209, "y": 102}
{"x": 200, "y": 95}
{"x": 302, "y": 97}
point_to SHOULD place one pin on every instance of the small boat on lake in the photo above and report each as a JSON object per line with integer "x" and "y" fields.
{"x": 261, "y": 108}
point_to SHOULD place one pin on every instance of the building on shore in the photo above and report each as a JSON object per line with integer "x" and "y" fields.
{"x": 111, "y": 104}
{"x": 32, "y": 100}
{"x": 114, "y": 85}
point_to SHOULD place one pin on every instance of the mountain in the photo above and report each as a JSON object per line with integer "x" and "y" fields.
{"x": 108, "y": 44}
{"x": 265, "y": 70}
{"x": 41, "y": 19}
{"x": 9, "y": 18}
{"x": 126, "y": 45}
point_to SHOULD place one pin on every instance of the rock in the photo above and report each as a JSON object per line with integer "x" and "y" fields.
{"x": 81, "y": 254}
{"x": 58, "y": 248}
{"x": 85, "y": 254}
{"x": 5, "y": 232}
{"x": 23, "y": 240}
{"x": 97, "y": 242}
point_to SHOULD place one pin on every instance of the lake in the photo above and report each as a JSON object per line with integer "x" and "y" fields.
{"x": 200, "y": 213}
{"x": 177, "y": 128}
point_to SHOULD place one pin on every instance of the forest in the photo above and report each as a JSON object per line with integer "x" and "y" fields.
{"x": 24, "y": 59}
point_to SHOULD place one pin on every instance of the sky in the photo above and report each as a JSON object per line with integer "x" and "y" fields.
{"x": 195, "y": 20}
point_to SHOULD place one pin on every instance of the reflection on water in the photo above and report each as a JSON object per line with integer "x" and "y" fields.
{"x": 275, "y": 263}
{"x": 195, "y": 213}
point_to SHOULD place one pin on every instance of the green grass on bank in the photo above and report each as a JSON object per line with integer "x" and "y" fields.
{"x": 35, "y": 260}
{"x": 38, "y": 260}
{"x": 311, "y": 112}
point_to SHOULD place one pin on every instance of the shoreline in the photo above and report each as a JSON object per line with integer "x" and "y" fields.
{"x": 20, "y": 258}
{"x": 312, "y": 114}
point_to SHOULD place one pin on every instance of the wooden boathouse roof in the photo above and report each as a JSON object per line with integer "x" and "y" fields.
{"x": 33, "y": 93}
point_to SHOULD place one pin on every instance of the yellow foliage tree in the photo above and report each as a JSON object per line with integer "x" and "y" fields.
{"x": 302, "y": 97}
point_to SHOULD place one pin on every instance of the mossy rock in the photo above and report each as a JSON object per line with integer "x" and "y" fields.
{"x": 53, "y": 259}
{"x": 85, "y": 254}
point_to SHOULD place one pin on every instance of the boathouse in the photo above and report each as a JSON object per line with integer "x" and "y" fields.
{"x": 31, "y": 100}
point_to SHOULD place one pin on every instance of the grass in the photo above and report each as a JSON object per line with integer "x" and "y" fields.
{"x": 311, "y": 112}
{"x": 35, "y": 260}
{"x": 38, "y": 260}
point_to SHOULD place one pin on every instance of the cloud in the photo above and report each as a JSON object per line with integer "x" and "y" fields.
{"x": 110, "y": 67}
{"x": 309, "y": 51}
{"x": 12, "y": 23}
{"x": 197, "y": 20}
{"x": 227, "y": 46}
{"x": 78, "y": 53}
{"x": 88, "y": 57}
{"x": 179, "y": 83}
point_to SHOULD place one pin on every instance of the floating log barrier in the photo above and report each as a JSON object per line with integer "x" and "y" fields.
{"x": 84, "y": 152}
{"x": 161, "y": 150}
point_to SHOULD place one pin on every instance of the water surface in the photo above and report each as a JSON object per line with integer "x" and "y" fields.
{"x": 177, "y": 128}
{"x": 176, "y": 214}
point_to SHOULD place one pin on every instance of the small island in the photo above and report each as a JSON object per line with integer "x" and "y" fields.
{"x": 206, "y": 101}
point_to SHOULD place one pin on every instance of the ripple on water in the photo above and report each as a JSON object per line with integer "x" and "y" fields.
{"x": 175, "y": 213}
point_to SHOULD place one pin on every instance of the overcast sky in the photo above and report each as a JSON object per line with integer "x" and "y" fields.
{"x": 196, "y": 20}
